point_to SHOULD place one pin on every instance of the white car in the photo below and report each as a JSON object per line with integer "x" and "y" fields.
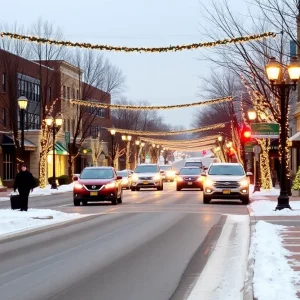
{"x": 226, "y": 181}
{"x": 146, "y": 176}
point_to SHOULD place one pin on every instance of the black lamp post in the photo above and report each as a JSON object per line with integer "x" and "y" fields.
{"x": 22, "y": 102}
{"x": 278, "y": 85}
{"x": 54, "y": 125}
{"x": 112, "y": 132}
{"x": 252, "y": 116}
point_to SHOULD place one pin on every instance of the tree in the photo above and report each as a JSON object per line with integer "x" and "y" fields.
{"x": 96, "y": 147}
{"x": 296, "y": 183}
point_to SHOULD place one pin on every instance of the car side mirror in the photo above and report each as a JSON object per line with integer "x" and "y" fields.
{"x": 119, "y": 177}
{"x": 75, "y": 178}
{"x": 203, "y": 174}
{"x": 249, "y": 174}
{"x": 162, "y": 172}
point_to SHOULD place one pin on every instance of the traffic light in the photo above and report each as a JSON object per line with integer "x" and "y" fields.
{"x": 246, "y": 135}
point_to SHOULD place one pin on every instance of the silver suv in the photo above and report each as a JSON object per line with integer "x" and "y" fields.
{"x": 147, "y": 176}
{"x": 226, "y": 181}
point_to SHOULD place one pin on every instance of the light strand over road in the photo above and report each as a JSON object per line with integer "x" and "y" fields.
{"x": 171, "y": 48}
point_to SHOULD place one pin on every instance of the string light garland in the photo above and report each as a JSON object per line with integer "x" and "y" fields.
{"x": 170, "y": 142}
{"x": 147, "y": 107}
{"x": 174, "y": 48}
{"x": 157, "y": 133}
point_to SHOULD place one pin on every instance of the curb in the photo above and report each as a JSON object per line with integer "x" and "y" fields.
{"x": 248, "y": 283}
{"x": 34, "y": 231}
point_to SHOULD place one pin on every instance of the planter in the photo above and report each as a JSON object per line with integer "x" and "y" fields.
{"x": 295, "y": 193}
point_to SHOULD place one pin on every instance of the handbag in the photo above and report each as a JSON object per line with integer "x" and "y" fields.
{"x": 15, "y": 201}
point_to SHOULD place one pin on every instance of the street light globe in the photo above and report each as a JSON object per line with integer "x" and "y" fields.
{"x": 49, "y": 120}
{"x": 22, "y": 102}
{"x": 112, "y": 131}
{"x": 142, "y": 144}
{"x": 58, "y": 120}
{"x": 129, "y": 137}
{"x": 220, "y": 138}
{"x": 157, "y": 146}
{"x": 153, "y": 145}
{"x": 123, "y": 137}
{"x": 273, "y": 69}
{"x": 252, "y": 114}
{"x": 137, "y": 142}
{"x": 294, "y": 69}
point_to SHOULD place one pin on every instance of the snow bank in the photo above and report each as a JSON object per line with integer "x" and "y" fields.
{"x": 267, "y": 208}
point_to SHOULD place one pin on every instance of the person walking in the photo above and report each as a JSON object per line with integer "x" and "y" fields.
{"x": 273, "y": 176}
{"x": 24, "y": 182}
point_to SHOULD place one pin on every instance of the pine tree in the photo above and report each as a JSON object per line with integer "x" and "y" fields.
{"x": 296, "y": 183}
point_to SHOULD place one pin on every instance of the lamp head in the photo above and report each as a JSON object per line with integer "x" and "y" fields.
{"x": 252, "y": 114}
{"x": 294, "y": 69}
{"x": 58, "y": 120}
{"x": 273, "y": 69}
{"x": 49, "y": 120}
{"x": 22, "y": 102}
{"x": 112, "y": 131}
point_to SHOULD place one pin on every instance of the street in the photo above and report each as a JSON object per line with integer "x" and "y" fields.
{"x": 153, "y": 246}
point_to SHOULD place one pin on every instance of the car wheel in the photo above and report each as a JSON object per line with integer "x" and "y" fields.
{"x": 114, "y": 201}
{"x": 206, "y": 199}
{"x": 132, "y": 189}
{"x": 84, "y": 203}
{"x": 178, "y": 188}
{"x": 120, "y": 199}
{"x": 137, "y": 189}
{"x": 172, "y": 180}
{"x": 245, "y": 200}
{"x": 76, "y": 202}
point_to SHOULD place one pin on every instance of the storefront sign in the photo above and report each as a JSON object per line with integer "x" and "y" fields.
{"x": 265, "y": 130}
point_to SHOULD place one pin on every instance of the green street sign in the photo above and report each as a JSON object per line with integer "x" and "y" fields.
{"x": 67, "y": 138}
{"x": 249, "y": 146}
{"x": 265, "y": 130}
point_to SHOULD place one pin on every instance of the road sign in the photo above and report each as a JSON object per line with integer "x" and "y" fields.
{"x": 265, "y": 130}
{"x": 256, "y": 149}
{"x": 249, "y": 146}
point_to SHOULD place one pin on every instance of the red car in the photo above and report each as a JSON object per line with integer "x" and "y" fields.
{"x": 97, "y": 184}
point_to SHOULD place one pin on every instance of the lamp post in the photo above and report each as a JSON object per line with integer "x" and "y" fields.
{"x": 22, "y": 102}
{"x": 252, "y": 116}
{"x": 137, "y": 143}
{"x": 112, "y": 133}
{"x": 274, "y": 72}
{"x": 54, "y": 124}
{"x": 127, "y": 139}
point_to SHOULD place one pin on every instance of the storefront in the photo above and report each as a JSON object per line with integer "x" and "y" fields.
{"x": 61, "y": 161}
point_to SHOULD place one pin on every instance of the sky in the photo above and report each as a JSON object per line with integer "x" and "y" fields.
{"x": 161, "y": 79}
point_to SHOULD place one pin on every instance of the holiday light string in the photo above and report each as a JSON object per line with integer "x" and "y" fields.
{"x": 157, "y": 133}
{"x": 189, "y": 141}
{"x": 174, "y": 48}
{"x": 147, "y": 107}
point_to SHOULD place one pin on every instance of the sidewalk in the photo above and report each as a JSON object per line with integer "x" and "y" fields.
{"x": 288, "y": 239}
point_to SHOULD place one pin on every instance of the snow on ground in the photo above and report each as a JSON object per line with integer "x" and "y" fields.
{"x": 273, "y": 277}
{"x": 14, "y": 221}
{"x": 223, "y": 275}
{"x": 267, "y": 208}
{"x": 48, "y": 191}
{"x": 263, "y": 193}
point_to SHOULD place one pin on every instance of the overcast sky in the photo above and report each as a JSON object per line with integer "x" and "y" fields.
{"x": 166, "y": 78}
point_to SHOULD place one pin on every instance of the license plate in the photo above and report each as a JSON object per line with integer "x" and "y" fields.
{"x": 94, "y": 193}
{"x": 226, "y": 192}
{"x": 145, "y": 182}
{"x": 190, "y": 183}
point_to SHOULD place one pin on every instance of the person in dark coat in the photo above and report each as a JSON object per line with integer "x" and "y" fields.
{"x": 24, "y": 182}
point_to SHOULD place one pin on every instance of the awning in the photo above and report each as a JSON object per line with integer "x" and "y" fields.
{"x": 60, "y": 149}
{"x": 7, "y": 140}
{"x": 294, "y": 140}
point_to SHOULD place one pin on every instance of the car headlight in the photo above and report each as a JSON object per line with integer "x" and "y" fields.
{"x": 179, "y": 179}
{"x": 134, "y": 178}
{"x": 170, "y": 173}
{"x": 209, "y": 182}
{"x": 125, "y": 180}
{"x": 244, "y": 182}
{"x": 157, "y": 177}
{"x": 200, "y": 179}
{"x": 78, "y": 186}
{"x": 110, "y": 185}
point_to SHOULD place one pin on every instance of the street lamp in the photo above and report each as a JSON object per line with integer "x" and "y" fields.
{"x": 112, "y": 133}
{"x": 278, "y": 84}
{"x": 252, "y": 114}
{"x": 54, "y": 125}
{"x": 127, "y": 139}
{"x": 22, "y": 102}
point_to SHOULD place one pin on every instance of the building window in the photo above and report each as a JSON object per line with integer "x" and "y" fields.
{"x": 28, "y": 89}
{"x": 8, "y": 167}
{"x": 31, "y": 121}
{"x": 94, "y": 132}
{"x": 3, "y": 82}
{"x": 64, "y": 91}
{"x": 4, "y": 116}
{"x": 68, "y": 92}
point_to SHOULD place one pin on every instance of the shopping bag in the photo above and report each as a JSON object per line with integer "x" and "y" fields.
{"x": 15, "y": 201}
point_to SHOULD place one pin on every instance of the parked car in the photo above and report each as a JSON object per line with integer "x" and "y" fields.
{"x": 126, "y": 178}
{"x": 97, "y": 184}
{"x": 189, "y": 177}
{"x": 147, "y": 176}
{"x": 169, "y": 172}
{"x": 226, "y": 181}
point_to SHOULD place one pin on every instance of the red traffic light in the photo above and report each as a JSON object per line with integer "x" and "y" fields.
{"x": 247, "y": 134}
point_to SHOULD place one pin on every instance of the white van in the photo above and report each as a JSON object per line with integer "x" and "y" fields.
{"x": 202, "y": 162}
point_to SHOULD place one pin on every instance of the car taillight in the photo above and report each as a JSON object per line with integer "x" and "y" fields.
{"x": 78, "y": 186}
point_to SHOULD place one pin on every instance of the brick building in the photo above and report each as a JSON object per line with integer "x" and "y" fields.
{"x": 41, "y": 82}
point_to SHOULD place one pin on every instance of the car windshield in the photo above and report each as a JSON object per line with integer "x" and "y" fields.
{"x": 226, "y": 170}
{"x": 190, "y": 171}
{"x": 166, "y": 168}
{"x": 122, "y": 173}
{"x": 193, "y": 163}
{"x": 97, "y": 174}
{"x": 146, "y": 169}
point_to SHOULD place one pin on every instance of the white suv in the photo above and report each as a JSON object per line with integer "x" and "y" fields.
{"x": 147, "y": 176}
{"x": 226, "y": 181}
